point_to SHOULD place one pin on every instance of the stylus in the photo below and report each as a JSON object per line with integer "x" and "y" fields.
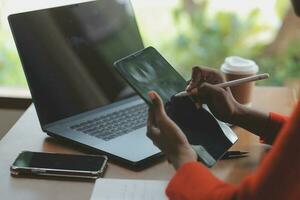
{"x": 230, "y": 83}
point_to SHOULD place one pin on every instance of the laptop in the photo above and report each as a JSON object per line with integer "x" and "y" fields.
{"x": 67, "y": 54}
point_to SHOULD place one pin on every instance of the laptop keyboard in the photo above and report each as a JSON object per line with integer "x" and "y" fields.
{"x": 115, "y": 124}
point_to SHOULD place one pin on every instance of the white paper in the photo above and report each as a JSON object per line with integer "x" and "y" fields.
{"x": 129, "y": 189}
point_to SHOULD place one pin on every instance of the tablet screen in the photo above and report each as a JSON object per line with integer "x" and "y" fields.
{"x": 147, "y": 70}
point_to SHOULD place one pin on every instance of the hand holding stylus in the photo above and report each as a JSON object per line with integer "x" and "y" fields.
{"x": 227, "y": 84}
{"x": 206, "y": 84}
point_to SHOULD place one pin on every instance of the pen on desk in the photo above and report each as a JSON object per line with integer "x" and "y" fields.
{"x": 232, "y": 83}
{"x": 234, "y": 154}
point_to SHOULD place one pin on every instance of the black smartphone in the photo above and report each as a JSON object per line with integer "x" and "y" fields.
{"x": 148, "y": 70}
{"x": 59, "y": 165}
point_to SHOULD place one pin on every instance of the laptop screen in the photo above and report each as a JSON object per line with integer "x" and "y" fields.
{"x": 68, "y": 53}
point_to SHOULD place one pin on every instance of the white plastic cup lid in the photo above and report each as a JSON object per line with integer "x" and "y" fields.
{"x": 239, "y": 66}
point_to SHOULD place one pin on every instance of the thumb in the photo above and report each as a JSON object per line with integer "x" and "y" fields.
{"x": 158, "y": 105}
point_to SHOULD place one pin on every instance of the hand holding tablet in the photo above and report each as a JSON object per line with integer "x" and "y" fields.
{"x": 147, "y": 70}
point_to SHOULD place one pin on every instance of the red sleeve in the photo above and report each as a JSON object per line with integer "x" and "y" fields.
{"x": 194, "y": 181}
{"x": 277, "y": 178}
{"x": 276, "y": 122}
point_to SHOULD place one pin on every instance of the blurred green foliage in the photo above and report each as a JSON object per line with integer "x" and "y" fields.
{"x": 283, "y": 66}
{"x": 11, "y": 73}
{"x": 281, "y": 7}
{"x": 201, "y": 38}
{"x": 207, "y": 39}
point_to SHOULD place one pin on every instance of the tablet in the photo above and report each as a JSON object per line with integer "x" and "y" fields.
{"x": 147, "y": 70}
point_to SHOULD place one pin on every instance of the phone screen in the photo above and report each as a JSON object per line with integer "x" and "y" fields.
{"x": 147, "y": 70}
{"x": 59, "y": 161}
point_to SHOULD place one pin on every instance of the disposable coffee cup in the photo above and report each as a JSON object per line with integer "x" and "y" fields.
{"x": 236, "y": 67}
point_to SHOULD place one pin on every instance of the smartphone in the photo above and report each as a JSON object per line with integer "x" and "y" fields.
{"x": 148, "y": 70}
{"x": 59, "y": 165}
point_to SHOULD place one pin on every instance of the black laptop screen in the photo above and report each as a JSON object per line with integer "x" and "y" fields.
{"x": 68, "y": 53}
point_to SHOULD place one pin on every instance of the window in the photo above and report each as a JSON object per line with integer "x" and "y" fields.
{"x": 204, "y": 32}
{"x": 192, "y": 32}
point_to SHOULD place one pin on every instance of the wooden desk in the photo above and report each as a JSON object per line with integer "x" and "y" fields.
{"x": 27, "y": 135}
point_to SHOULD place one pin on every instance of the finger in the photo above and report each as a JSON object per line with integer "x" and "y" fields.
{"x": 198, "y": 103}
{"x": 156, "y": 136}
{"x": 151, "y": 119}
{"x": 214, "y": 76}
{"x": 206, "y": 91}
{"x": 151, "y": 124}
{"x": 200, "y": 75}
{"x": 194, "y": 91}
{"x": 188, "y": 85}
{"x": 206, "y": 74}
{"x": 196, "y": 77}
{"x": 153, "y": 133}
{"x": 158, "y": 105}
{"x": 196, "y": 72}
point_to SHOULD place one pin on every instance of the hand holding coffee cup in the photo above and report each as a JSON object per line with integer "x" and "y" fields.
{"x": 236, "y": 68}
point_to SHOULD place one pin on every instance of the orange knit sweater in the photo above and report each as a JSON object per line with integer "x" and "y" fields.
{"x": 277, "y": 178}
